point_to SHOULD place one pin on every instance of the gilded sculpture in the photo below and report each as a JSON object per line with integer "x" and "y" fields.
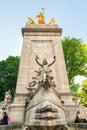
{"x": 30, "y": 21}
{"x": 52, "y": 21}
{"x": 40, "y": 19}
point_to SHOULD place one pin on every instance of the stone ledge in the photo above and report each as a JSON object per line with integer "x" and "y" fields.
{"x": 13, "y": 126}
{"x": 78, "y": 125}
{"x": 42, "y": 30}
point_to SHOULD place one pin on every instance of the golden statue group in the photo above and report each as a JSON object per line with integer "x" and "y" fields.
{"x": 40, "y": 18}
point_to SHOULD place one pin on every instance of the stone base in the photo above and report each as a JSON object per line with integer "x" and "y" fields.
{"x": 71, "y": 111}
{"x": 17, "y": 109}
{"x": 17, "y": 112}
{"x": 46, "y": 128}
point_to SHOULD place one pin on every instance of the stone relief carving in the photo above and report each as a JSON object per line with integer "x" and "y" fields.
{"x": 43, "y": 106}
{"x": 43, "y": 79}
{"x": 43, "y": 73}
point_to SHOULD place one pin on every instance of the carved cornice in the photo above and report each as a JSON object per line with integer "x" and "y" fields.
{"x": 41, "y": 30}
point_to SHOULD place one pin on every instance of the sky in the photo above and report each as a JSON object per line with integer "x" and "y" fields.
{"x": 70, "y": 15}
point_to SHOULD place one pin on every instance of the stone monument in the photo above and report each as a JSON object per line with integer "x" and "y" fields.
{"x": 46, "y": 101}
{"x": 43, "y": 105}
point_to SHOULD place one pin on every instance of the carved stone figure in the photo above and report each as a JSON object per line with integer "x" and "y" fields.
{"x": 45, "y": 62}
{"x": 31, "y": 90}
{"x": 44, "y": 109}
{"x": 8, "y": 97}
{"x": 44, "y": 70}
{"x": 7, "y": 100}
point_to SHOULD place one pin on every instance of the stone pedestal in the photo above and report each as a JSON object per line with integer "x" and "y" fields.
{"x": 45, "y": 42}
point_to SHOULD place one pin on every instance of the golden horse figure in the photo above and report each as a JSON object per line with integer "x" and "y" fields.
{"x": 30, "y": 21}
{"x": 52, "y": 21}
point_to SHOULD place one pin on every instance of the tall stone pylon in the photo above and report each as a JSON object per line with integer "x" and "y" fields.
{"x": 43, "y": 40}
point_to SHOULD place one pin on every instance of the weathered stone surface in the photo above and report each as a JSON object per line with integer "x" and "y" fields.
{"x": 45, "y": 109}
{"x": 44, "y": 41}
{"x": 45, "y": 46}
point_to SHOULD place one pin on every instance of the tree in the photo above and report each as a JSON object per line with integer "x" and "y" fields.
{"x": 73, "y": 86}
{"x": 83, "y": 93}
{"x": 8, "y": 75}
{"x": 75, "y": 54}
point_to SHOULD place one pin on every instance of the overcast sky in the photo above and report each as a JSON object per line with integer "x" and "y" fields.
{"x": 71, "y": 15}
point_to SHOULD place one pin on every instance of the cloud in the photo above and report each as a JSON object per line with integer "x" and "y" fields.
{"x": 79, "y": 79}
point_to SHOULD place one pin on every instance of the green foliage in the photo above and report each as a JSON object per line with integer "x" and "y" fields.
{"x": 75, "y": 54}
{"x": 8, "y": 75}
{"x": 73, "y": 86}
{"x": 83, "y": 93}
